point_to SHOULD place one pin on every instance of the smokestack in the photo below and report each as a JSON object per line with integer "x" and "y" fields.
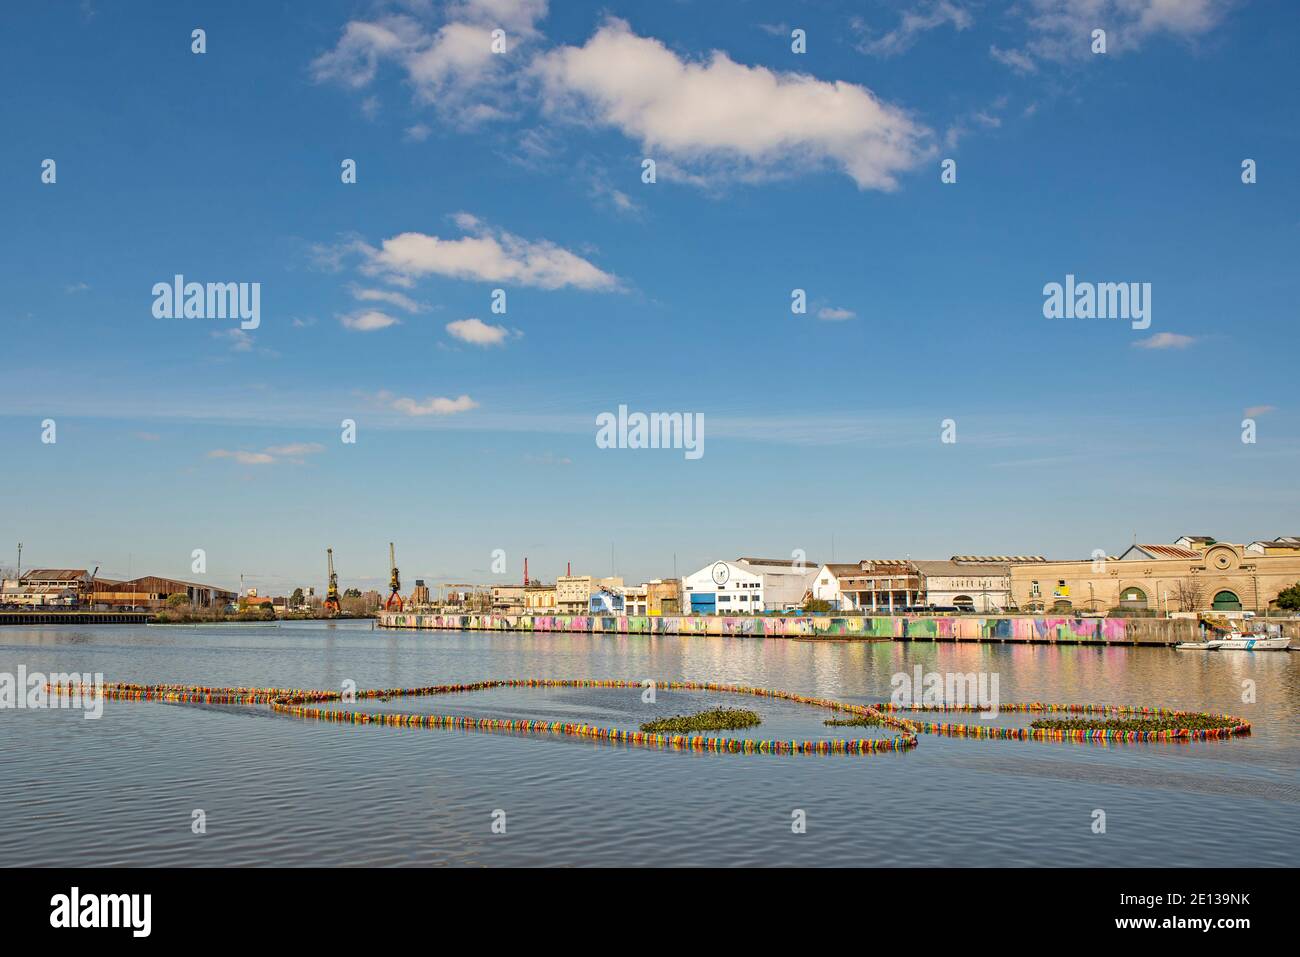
{"x": 525, "y": 571}
{"x": 568, "y": 569}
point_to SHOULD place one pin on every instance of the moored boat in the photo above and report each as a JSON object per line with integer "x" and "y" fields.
{"x": 1236, "y": 641}
{"x": 1211, "y": 645}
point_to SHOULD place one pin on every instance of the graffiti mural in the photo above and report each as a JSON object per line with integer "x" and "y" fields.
{"x": 1052, "y": 630}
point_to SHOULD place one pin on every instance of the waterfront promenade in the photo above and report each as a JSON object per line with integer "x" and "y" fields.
{"x": 1035, "y": 629}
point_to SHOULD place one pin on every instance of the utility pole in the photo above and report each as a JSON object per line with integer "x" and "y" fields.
{"x": 19, "y": 573}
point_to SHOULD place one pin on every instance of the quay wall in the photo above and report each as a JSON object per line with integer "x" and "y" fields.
{"x": 1037, "y": 629}
{"x": 64, "y": 618}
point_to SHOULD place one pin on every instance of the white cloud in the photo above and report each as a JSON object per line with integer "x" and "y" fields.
{"x": 293, "y": 451}
{"x": 723, "y": 119}
{"x": 486, "y": 255}
{"x": 243, "y": 458}
{"x": 476, "y": 332}
{"x": 835, "y": 313}
{"x": 368, "y": 321}
{"x": 924, "y": 18}
{"x": 1165, "y": 340}
{"x": 451, "y": 67}
{"x": 1018, "y": 61}
{"x": 434, "y": 405}
{"x": 417, "y": 133}
{"x": 296, "y": 449}
{"x": 393, "y": 298}
{"x": 1061, "y": 30}
{"x": 240, "y": 341}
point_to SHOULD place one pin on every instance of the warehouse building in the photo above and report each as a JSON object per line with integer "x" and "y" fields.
{"x": 747, "y": 586}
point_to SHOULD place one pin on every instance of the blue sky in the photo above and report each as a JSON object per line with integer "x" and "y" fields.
{"x": 523, "y": 171}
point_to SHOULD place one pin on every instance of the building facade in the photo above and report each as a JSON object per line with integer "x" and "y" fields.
{"x": 664, "y": 596}
{"x": 151, "y": 592}
{"x": 573, "y": 592}
{"x": 540, "y": 599}
{"x": 1157, "y": 578}
{"x": 747, "y": 586}
{"x": 887, "y": 586}
{"x": 48, "y": 587}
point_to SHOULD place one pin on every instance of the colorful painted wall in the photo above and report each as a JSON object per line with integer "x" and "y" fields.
{"x": 1033, "y": 629}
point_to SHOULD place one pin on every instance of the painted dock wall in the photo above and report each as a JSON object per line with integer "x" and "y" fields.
{"x": 896, "y": 627}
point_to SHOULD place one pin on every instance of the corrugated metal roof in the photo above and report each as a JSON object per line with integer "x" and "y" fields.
{"x": 1168, "y": 551}
{"x": 1000, "y": 559}
{"x": 959, "y": 568}
{"x": 54, "y": 574}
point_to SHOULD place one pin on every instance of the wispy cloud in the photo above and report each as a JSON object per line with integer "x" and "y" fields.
{"x": 1165, "y": 340}
{"x": 1257, "y": 410}
{"x": 434, "y": 405}
{"x": 390, "y": 296}
{"x": 293, "y": 452}
{"x": 451, "y": 67}
{"x": 485, "y": 254}
{"x": 835, "y": 313}
{"x": 1060, "y": 31}
{"x": 921, "y": 19}
{"x": 242, "y": 457}
{"x": 369, "y": 320}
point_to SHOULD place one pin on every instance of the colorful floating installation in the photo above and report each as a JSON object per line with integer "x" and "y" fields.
{"x": 304, "y": 703}
{"x": 1231, "y": 724}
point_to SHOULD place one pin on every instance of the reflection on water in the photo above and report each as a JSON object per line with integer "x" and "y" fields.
{"x": 121, "y": 790}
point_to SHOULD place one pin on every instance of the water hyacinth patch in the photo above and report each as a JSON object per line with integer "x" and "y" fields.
{"x": 717, "y": 719}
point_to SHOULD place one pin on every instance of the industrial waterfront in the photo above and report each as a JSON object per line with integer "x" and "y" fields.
{"x": 278, "y": 791}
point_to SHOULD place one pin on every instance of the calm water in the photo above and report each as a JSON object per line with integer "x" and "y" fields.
{"x": 275, "y": 790}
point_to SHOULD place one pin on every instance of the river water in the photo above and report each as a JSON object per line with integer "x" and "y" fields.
{"x": 125, "y": 789}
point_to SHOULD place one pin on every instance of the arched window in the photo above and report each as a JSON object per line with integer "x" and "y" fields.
{"x": 1133, "y": 597}
{"x": 964, "y": 602}
{"x": 1226, "y": 601}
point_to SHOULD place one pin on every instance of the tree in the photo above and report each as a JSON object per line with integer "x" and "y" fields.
{"x": 816, "y": 604}
{"x": 1289, "y": 598}
{"x": 296, "y": 599}
{"x": 178, "y": 600}
{"x": 352, "y": 593}
{"x": 1188, "y": 594}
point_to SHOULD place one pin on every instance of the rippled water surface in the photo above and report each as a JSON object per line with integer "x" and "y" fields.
{"x": 275, "y": 790}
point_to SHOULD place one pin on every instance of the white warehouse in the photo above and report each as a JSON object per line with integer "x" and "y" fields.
{"x": 747, "y": 586}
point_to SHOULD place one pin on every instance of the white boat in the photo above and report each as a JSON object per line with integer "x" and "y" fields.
{"x": 1212, "y": 645}
{"x": 1236, "y": 641}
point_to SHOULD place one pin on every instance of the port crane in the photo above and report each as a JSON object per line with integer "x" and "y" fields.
{"x": 332, "y": 593}
{"x": 394, "y": 582}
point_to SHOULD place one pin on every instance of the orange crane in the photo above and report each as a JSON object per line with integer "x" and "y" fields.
{"x": 394, "y": 582}
{"x": 332, "y": 593}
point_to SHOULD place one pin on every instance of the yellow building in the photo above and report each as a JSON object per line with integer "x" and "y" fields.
{"x": 1209, "y": 575}
{"x": 540, "y": 599}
